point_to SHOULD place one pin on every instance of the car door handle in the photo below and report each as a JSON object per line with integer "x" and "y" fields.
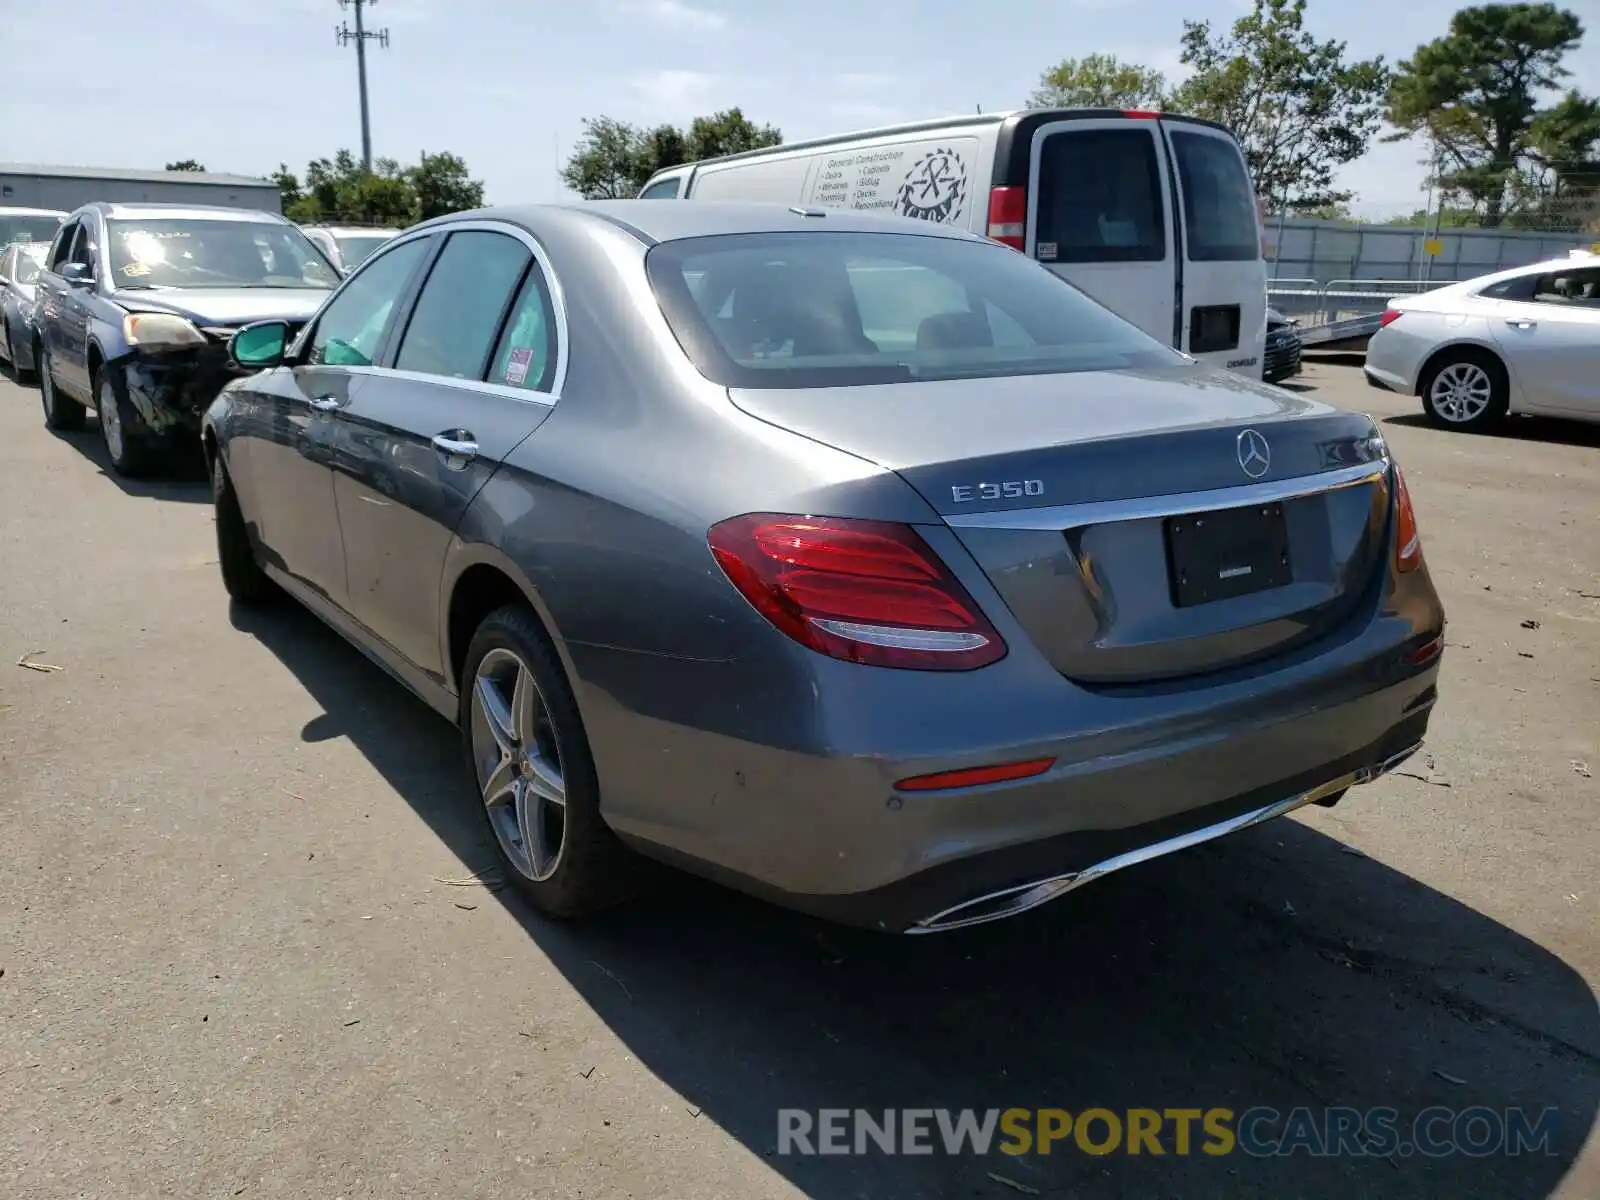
{"x": 1521, "y": 323}
{"x": 458, "y": 448}
{"x": 325, "y": 404}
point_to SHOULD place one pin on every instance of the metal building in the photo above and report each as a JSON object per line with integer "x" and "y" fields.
{"x": 27, "y": 185}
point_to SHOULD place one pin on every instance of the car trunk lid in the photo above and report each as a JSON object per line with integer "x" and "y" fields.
{"x": 1139, "y": 525}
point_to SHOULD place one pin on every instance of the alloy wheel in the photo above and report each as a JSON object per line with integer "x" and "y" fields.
{"x": 518, "y": 764}
{"x": 110, "y": 421}
{"x": 47, "y": 388}
{"x": 1461, "y": 392}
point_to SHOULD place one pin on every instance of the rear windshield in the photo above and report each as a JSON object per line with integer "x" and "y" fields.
{"x": 819, "y": 309}
{"x": 27, "y": 227}
{"x": 1218, "y": 204}
{"x": 355, "y": 248}
{"x": 1100, "y": 197}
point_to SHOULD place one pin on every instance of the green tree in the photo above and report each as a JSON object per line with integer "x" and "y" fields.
{"x": 1298, "y": 108}
{"x": 609, "y": 161}
{"x": 185, "y": 164}
{"x": 1099, "y": 81}
{"x": 1475, "y": 93}
{"x": 613, "y": 159}
{"x": 441, "y": 184}
{"x": 338, "y": 189}
{"x": 727, "y": 132}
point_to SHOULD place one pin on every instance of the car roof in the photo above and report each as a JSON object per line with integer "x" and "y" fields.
{"x": 31, "y": 212}
{"x": 357, "y": 230}
{"x": 183, "y": 212}
{"x": 654, "y": 221}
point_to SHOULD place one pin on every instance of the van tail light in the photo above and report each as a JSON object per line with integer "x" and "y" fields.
{"x": 1408, "y": 542}
{"x": 1141, "y": 114}
{"x": 1390, "y": 316}
{"x": 1008, "y": 216}
{"x": 868, "y": 592}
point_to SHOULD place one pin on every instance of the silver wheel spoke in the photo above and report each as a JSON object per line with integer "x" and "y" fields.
{"x": 524, "y": 708}
{"x": 502, "y": 783}
{"x": 498, "y": 714}
{"x": 546, "y": 781}
{"x": 532, "y": 815}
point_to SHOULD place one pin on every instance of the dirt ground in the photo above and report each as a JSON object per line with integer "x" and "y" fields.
{"x": 232, "y": 965}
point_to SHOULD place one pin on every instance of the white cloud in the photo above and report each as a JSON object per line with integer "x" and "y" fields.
{"x": 678, "y": 15}
{"x": 672, "y": 94}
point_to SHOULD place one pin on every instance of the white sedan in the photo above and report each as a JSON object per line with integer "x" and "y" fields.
{"x": 1525, "y": 340}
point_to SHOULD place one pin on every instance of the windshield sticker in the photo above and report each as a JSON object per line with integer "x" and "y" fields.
{"x": 136, "y": 269}
{"x": 517, "y": 368}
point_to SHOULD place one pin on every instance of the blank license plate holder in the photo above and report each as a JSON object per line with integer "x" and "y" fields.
{"x": 1227, "y": 553}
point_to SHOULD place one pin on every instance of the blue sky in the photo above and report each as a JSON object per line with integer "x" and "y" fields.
{"x": 242, "y": 85}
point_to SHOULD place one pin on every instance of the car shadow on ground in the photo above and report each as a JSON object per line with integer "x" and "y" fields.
{"x": 1279, "y": 968}
{"x": 179, "y": 476}
{"x": 1518, "y": 429}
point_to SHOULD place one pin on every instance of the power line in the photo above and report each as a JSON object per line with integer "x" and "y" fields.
{"x": 360, "y": 35}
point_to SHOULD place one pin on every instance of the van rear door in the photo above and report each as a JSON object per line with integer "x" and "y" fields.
{"x": 1223, "y": 277}
{"x": 1101, "y": 215}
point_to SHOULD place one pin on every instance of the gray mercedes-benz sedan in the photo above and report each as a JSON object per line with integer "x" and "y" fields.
{"x": 855, "y": 561}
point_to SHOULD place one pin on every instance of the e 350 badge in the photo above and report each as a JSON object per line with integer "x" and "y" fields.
{"x": 1010, "y": 489}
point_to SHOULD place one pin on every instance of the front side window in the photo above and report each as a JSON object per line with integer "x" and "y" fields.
{"x": 350, "y": 329}
{"x": 1219, "y": 206}
{"x": 1100, "y": 197}
{"x": 63, "y": 246}
{"x": 1580, "y": 287}
{"x": 818, "y": 309}
{"x": 457, "y": 316}
{"x": 180, "y": 253}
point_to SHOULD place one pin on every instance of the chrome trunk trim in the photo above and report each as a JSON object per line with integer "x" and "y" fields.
{"x": 1009, "y": 902}
{"x": 1102, "y": 512}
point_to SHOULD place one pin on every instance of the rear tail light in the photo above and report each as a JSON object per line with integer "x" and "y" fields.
{"x": 1141, "y": 114}
{"x": 868, "y": 592}
{"x": 1008, "y": 216}
{"x": 1408, "y": 542}
{"x": 1390, "y": 316}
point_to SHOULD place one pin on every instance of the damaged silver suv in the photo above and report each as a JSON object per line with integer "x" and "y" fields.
{"x": 136, "y": 303}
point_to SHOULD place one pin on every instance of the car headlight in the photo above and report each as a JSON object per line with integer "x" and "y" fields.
{"x": 160, "y": 331}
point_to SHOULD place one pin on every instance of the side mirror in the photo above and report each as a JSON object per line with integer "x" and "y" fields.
{"x": 259, "y": 346}
{"x": 78, "y": 275}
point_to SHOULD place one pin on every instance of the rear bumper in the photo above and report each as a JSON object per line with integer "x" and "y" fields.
{"x": 814, "y": 821}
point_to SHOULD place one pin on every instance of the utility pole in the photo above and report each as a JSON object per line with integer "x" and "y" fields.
{"x": 359, "y": 35}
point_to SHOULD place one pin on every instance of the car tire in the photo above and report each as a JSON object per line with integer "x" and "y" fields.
{"x": 126, "y": 438}
{"x": 61, "y": 414}
{"x": 524, "y": 747}
{"x": 242, "y": 575}
{"x": 1466, "y": 389}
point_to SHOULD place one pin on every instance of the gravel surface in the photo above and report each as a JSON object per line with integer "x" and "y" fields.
{"x": 231, "y": 968}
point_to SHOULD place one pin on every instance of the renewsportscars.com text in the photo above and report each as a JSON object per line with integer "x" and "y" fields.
{"x": 1260, "y": 1131}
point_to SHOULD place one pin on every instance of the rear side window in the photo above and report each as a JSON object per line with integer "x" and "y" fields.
{"x": 667, "y": 189}
{"x": 819, "y": 309}
{"x": 1219, "y": 207}
{"x": 1100, "y": 197}
{"x": 526, "y": 355}
{"x": 457, "y": 316}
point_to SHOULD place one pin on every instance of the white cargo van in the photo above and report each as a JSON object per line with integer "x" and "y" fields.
{"x": 1152, "y": 214}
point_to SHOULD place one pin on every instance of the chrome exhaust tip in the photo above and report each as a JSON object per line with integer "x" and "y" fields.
{"x": 1009, "y": 902}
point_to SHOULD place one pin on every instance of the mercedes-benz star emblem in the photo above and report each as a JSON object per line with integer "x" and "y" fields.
{"x": 1255, "y": 456}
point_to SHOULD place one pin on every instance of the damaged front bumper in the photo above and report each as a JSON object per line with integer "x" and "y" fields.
{"x": 171, "y": 390}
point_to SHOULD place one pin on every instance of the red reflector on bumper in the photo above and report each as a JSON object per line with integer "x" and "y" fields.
{"x": 973, "y": 776}
{"x": 1426, "y": 652}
